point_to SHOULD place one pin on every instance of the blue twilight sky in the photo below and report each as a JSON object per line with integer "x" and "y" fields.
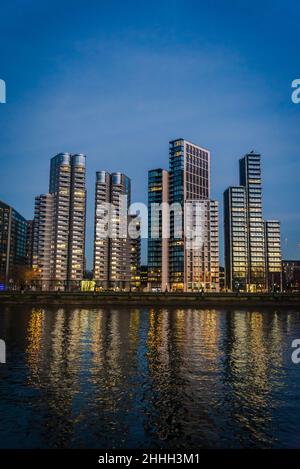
{"x": 117, "y": 80}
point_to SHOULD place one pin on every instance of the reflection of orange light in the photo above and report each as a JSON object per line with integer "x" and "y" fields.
{"x": 155, "y": 325}
{"x": 34, "y": 330}
{"x": 134, "y": 327}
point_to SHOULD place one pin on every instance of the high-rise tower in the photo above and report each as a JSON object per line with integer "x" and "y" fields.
{"x": 192, "y": 219}
{"x": 13, "y": 244}
{"x": 190, "y": 187}
{"x": 236, "y": 238}
{"x": 250, "y": 178}
{"x": 158, "y": 229}
{"x": 273, "y": 255}
{"x": 252, "y": 246}
{"x": 112, "y": 249}
{"x": 59, "y": 224}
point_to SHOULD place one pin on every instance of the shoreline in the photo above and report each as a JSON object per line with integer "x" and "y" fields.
{"x": 150, "y": 299}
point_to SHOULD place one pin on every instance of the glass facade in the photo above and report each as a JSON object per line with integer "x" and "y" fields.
{"x": 273, "y": 255}
{"x": 13, "y": 244}
{"x": 250, "y": 178}
{"x": 101, "y": 244}
{"x": 236, "y": 238}
{"x": 135, "y": 252}
{"x": 173, "y": 260}
{"x": 177, "y": 196}
{"x": 119, "y": 265}
{"x": 202, "y": 245}
{"x": 291, "y": 275}
{"x": 158, "y": 193}
{"x": 252, "y": 246}
{"x": 190, "y": 182}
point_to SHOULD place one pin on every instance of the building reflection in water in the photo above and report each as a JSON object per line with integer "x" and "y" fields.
{"x": 155, "y": 377}
{"x": 254, "y": 373}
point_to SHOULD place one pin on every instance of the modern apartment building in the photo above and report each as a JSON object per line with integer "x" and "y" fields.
{"x": 190, "y": 182}
{"x": 236, "y": 238}
{"x": 77, "y": 223}
{"x": 13, "y": 244}
{"x": 252, "y": 246}
{"x": 134, "y": 240}
{"x": 273, "y": 255}
{"x": 29, "y": 243}
{"x": 158, "y": 229}
{"x": 180, "y": 263}
{"x": 250, "y": 178}
{"x": 43, "y": 245}
{"x": 119, "y": 267}
{"x": 202, "y": 245}
{"x": 112, "y": 248}
{"x": 101, "y": 229}
{"x": 59, "y": 224}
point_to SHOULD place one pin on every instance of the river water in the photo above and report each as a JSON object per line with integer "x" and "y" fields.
{"x": 149, "y": 378}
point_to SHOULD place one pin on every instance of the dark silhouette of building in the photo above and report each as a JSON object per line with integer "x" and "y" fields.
{"x": 291, "y": 275}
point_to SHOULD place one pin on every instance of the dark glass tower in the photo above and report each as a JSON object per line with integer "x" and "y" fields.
{"x": 184, "y": 256}
{"x": 13, "y": 244}
{"x": 177, "y": 157}
{"x": 158, "y": 193}
{"x": 189, "y": 182}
